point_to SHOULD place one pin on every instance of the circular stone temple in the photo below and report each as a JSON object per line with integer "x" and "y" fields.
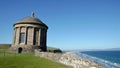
{"x": 29, "y": 33}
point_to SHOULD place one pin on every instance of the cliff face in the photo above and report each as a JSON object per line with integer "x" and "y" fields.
{"x": 68, "y": 58}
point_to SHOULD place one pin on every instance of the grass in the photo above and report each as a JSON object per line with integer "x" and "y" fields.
{"x": 52, "y": 48}
{"x": 12, "y": 60}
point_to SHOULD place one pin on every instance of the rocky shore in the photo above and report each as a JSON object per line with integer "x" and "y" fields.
{"x": 69, "y": 58}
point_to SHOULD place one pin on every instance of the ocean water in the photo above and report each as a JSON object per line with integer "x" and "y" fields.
{"x": 110, "y": 59}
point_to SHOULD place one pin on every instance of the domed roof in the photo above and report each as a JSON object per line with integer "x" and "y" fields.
{"x": 31, "y": 20}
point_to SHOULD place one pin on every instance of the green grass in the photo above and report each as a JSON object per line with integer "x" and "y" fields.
{"x": 52, "y": 48}
{"x": 12, "y": 60}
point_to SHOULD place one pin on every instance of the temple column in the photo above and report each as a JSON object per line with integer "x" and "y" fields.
{"x": 33, "y": 29}
{"x": 26, "y": 35}
{"x": 18, "y": 35}
{"x": 39, "y": 37}
{"x": 44, "y": 34}
{"x": 14, "y": 36}
{"x": 45, "y": 37}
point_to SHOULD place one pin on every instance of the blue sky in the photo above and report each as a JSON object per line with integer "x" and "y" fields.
{"x": 73, "y": 24}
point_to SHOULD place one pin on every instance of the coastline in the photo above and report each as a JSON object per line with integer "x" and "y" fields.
{"x": 69, "y": 58}
{"x": 102, "y": 61}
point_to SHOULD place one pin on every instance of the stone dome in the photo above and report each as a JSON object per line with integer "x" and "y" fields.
{"x": 31, "y": 20}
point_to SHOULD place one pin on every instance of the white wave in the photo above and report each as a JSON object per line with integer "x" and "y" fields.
{"x": 105, "y": 63}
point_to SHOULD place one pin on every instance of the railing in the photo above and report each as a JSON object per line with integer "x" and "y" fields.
{"x": 6, "y": 53}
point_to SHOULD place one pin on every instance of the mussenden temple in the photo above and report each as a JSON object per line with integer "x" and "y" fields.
{"x": 30, "y": 33}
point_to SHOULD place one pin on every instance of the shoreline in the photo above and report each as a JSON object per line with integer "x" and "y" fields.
{"x": 69, "y": 58}
{"x": 105, "y": 63}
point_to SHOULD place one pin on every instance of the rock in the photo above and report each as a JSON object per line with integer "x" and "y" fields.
{"x": 68, "y": 58}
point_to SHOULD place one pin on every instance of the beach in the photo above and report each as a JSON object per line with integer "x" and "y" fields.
{"x": 69, "y": 58}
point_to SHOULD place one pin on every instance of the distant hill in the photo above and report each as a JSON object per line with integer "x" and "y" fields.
{"x": 107, "y": 49}
{"x": 53, "y": 49}
{"x": 4, "y": 46}
{"x": 114, "y": 49}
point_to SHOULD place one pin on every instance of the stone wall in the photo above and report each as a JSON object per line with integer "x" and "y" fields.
{"x": 68, "y": 58}
{"x": 25, "y": 48}
{"x": 48, "y": 55}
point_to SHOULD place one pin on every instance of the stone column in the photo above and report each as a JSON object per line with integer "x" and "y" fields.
{"x": 26, "y": 33}
{"x": 14, "y": 36}
{"x": 39, "y": 37}
{"x": 45, "y": 37}
{"x": 33, "y": 36}
{"x": 17, "y": 35}
{"x": 45, "y": 40}
{"x": 42, "y": 38}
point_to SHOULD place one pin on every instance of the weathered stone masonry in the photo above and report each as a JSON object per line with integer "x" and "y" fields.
{"x": 29, "y": 33}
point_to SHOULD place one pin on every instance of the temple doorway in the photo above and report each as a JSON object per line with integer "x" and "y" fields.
{"x": 19, "y": 50}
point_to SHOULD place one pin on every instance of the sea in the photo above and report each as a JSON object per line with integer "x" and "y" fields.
{"x": 109, "y": 59}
